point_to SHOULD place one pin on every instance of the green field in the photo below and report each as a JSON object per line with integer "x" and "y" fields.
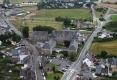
{"x": 70, "y": 13}
{"x": 50, "y": 76}
{"x": 110, "y": 47}
{"x": 32, "y": 23}
{"x": 30, "y": 8}
{"x": 114, "y": 18}
{"x": 20, "y": 1}
{"x": 99, "y": 13}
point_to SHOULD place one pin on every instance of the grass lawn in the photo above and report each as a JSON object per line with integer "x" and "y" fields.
{"x": 114, "y": 18}
{"x": 54, "y": 65}
{"x": 29, "y": 8}
{"x": 20, "y": 1}
{"x": 110, "y": 47}
{"x": 50, "y": 76}
{"x": 99, "y": 13}
{"x": 32, "y": 23}
{"x": 60, "y": 46}
{"x": 70, "y": 13}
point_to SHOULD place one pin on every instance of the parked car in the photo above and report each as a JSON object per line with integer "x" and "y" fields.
{"x": 58, "y": 64}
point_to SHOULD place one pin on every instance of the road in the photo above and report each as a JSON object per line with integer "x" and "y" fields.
{"x": 76, "y": 67}
{"x": 35, "y": 54}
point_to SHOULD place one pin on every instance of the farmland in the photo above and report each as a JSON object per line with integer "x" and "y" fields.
{"x": 110, "y": 47}
{"x": 111, "y": 5}
{"x": 70, "y": 13}
{"x": 32, "y": 23}
{"x": 112, "y": 1}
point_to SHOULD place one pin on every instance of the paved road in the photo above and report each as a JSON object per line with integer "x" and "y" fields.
{"x": 35, "y": 58}
{"x": 76, "y": 67}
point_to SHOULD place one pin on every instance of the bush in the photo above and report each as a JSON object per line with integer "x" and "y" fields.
{"x": 58, "y": 72}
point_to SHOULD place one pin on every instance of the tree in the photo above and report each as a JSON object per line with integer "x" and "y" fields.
{"x": 58, "y": 78}
{"x": 67, "y": 43}
{"x": 53, "y": 68}
{"x": 66, "y": 22}
{"x": 54, "y": 77}
{"x": 73, "y": 56}
{"x": 25, "y": 32}
{"x": 65, "y": 53}
{"x": 104, "y": 54}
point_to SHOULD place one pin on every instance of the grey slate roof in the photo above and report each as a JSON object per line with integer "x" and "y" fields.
{"x": 49, "y": 44}
{"x": 42, "y": 33}
{"x": 15, "y": 52}
{"x": 112, "y": 61}
{"x": 98, "y": 69}
{"x": 105, "y": 70}
{"x": 1, "y": 31}
{"x": 65, "y": 33}
{"x": 73, "y": 45}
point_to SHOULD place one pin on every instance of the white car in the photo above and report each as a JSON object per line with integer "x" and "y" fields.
{"x": 44, "y": 78}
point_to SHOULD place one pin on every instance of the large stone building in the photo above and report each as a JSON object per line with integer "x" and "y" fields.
{"x": 39, "y": 36}
{"x": 48, "y": 46}
{"x": 73, "y": 47}
{"x": 65, "y": 35}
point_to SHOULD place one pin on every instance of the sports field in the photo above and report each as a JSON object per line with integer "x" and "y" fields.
{"x": 110, "y": 47}
{"x": 70, "y": 13}
{"x": 32, "y": 23}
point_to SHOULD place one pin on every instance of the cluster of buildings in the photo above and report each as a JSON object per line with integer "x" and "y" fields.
{"x": 106, "y": 34}
{"x": 97, "y": 67}
{"x": 81, "y": 24}
{"x": 57, "y": 37}
{"x": 20, "y": 56}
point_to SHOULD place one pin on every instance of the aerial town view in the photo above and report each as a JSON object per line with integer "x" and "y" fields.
{"x": 58, "y": 39}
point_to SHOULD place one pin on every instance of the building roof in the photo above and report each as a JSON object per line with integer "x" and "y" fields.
{"x": 73, "y": 45}
{"x": 49, "y": 43}
{"x": 105, "y": 70}
{"x": 41, "y": 33}
{"x": 112, "y": 61}
{"x": 15, "y": 52}
{"x": 65, "y": 33}
{"x": 98, "y": 69}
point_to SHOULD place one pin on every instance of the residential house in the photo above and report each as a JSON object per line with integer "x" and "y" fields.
{"x": 46, "y": 64}
{"x": 89, "y": 63}
{"x": 23, "y": 59}
{"x": 48, "y": 46}
{"x": 112, "y": 62}
{"x": 15, "y": 53}
{"x": 82, "y": 24}
{"x": 105, "y": 34}
{"x": 39, "y": 36}
{"x": 73, "y": 47}
{"x": 65, "y": 35}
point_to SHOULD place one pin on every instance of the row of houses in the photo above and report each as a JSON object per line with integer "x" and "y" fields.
{"x": 57, "y": 37}
{"x": 101, "y": 67}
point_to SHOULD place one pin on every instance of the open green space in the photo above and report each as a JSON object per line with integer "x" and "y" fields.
{"x": 110, "y": 47}
{"x": 60, "y": 46}
{"x": 99, "y": 13}
{"x": 20, "y": 1}
{"x": 54, "y": 65}
{"x": 114, "y": 18}
{"x": 70, "y": 13}
{"x": 29, "y": 8}
{"x": 35, "y": 22}
{"x": 50, "y": 76}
